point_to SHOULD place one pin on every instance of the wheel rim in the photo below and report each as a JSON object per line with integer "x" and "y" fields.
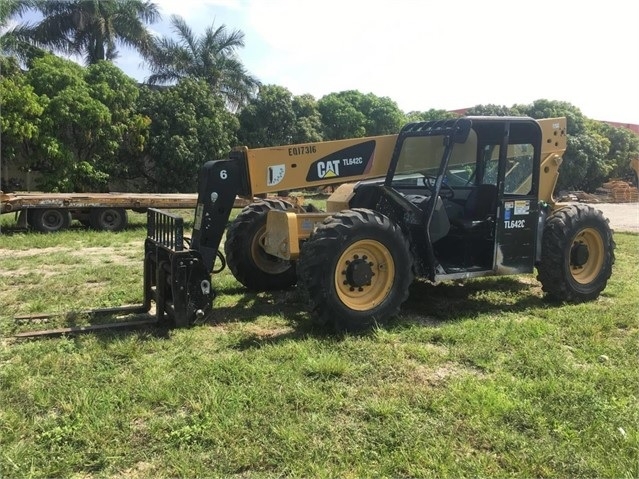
{"x": 52, "y": 220}
{"x": 262, "y": 259}
{"x": 110, "y": 218}
{"x": 586, "y": 255}
{"x": 364, "y": 275}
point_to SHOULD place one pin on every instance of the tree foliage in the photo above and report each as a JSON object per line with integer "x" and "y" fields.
{"x": 11, "y": 43}
{"x": 276, "y": 117}
{"x": 76, "y": 126}
{"x": 211, "y": 57}
{"x": 351, "y": 114}
{"x": 584, "y": 165}
{"x": 92, "y": 29}
{"x": 429, "y": 115}
{"x": 308, "y": 127}
{"x": 189, "y": 126}
{"x": 22, "y": 110}
{"x": 493, "y": 110}
{"x": 12, "y": 8}
{"x": 624, "y": 147}
{"x": 595, "y": 151}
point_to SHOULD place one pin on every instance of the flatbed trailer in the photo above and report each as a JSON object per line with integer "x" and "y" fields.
{"x": 50, "y": 212}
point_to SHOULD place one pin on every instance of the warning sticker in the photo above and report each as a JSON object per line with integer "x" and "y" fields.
{"x": 508, "y": 210}
{"x": 522, "y": 207}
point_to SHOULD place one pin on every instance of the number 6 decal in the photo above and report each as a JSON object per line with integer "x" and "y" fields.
{"x": 223, "y": 174}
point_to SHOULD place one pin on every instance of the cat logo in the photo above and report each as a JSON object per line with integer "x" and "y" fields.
{"x": 328, "y": 169}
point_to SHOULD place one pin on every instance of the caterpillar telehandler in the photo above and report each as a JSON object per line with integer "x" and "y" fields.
{"x": 442, "y": 200}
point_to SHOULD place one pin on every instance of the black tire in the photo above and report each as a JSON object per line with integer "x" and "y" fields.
{"x": 49, "y": 220}
{"x": 108, "y": 219}
{"x": 578, "y": 251}
{"x": 246, "y": 259}
{"x": 356, "y": 269}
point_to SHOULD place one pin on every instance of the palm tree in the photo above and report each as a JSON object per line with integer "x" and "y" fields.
{"x": 12, "y": 43}
{"x": 12, "y": 8}
{"x": 92, "y": 29}
{"x": 211, "y": 57}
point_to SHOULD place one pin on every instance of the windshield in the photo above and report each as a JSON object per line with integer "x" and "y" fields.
{"x": 421, "y": 156}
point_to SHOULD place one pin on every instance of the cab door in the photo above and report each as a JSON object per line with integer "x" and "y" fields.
{"x": 518, "y": 205}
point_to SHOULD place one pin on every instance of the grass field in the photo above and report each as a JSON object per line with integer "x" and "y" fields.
{"x": 484, "y": 379}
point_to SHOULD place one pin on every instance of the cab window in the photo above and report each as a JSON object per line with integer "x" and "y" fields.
{"x": 519, "y": 169}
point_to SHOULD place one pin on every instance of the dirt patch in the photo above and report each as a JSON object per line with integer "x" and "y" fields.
{"x": 26, "y": 253}
{"x": 42, "y": 272}
{"x": 268, "y": 333}
{"x": 439, "y": 375}
{"x": 124, "y": 254}
{"x": 624, "y": 217}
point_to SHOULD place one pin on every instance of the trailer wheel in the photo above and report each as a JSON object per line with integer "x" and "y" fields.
{"x": 577, "y": 254}
{"x": 246, "y": 258}
{"x": 49, "y": 220}
{"x": 356, "y": 269}
{"x": 108, "y": 219}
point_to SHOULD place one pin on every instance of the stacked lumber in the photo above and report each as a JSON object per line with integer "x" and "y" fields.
{"x": 586, "y": 197}
{"x": 619, "y": 191}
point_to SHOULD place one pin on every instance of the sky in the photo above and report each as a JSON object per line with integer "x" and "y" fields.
{"x": 426, "y": 54}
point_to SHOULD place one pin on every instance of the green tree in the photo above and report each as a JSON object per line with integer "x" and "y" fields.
{"x": 11, "y": 43}
{"x": 493, "y": 110}
{"x": 585, "y": 164}
{"x": 12, "y": 8}
{"x": 9, "y": 67}
{"x": 211, "y": 57}
{"x": 189, "y": 126}
{"x": 624, "y": 146}
{"x": 92, "y": 29}
{"x": 128, "y": 132}
{"x": 20, "y": 120}
{"x": 268, "y": 119}
{"x": 275, "y": 117}
{"x": 593, "y": 153}
{"x": 340, "y": 118}
{"x": 75, "y": 125}
{"x": 351, "y": 114}
{"x": 308, "y": 125}
{"x": 429, "y": 115}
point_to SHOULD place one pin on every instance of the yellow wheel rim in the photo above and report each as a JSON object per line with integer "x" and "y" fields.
{"x": 364, "y": 275}
{"x": 586, "y": 255}
{"x": 264, "y": 261}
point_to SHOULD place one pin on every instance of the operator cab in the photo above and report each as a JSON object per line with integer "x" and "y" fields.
{"x": 476, "y": 181}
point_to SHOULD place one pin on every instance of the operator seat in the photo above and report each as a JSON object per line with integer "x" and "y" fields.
{"x": 440, "y": 224}
{"x": 479, "y": 210}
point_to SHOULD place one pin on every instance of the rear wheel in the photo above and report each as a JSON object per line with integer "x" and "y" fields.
{"x": 356, "y": 269}
{"x": 108, "y": 219}
{"x": 49, "y": 220}
{"x": 577, "y": 254}
{"x": 245, "y": 256}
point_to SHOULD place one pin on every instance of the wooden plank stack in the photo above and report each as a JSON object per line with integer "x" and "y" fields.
{"x": 618, "y": 191}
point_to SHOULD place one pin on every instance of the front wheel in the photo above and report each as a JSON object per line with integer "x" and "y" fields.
{"x": 245, "y": 255}
{"x": 577, "y": 254}
{"x": 356, "y": 269}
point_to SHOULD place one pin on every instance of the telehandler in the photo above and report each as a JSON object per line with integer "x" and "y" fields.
{"x": 442, "y": 200}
